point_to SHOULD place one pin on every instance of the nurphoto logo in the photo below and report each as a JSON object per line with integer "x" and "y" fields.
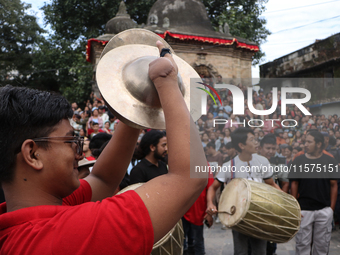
{"x": 238, "y": 104}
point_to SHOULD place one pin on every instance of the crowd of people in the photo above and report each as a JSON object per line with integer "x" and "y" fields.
{"x": 289, "y": 134}
{"x": 279, "y": 139}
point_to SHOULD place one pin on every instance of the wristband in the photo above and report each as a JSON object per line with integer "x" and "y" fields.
{"x": 165, "y": 51}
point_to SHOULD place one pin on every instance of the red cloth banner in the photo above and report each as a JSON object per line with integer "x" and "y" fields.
{"x": 219, "y": 41}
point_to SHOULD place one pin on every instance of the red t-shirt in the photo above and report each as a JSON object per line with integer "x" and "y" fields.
{"x": 116, "y": 225}
{"x": 196, "y": 213}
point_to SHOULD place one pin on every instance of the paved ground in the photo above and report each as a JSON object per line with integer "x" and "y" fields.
{"x": 220, "y": 242}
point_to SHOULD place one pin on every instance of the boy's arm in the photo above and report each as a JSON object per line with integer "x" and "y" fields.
{"x": 271, "y": 182}
{"x": 211, "y": 208}
{"x": 112, "y": 164}
{"x": 334, "y": 193}
{"x": 168, "y": 197}
{"x": 294, "y": 188}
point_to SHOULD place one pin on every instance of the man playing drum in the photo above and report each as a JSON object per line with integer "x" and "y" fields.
{"x": 48, "y": 210}
{"x": 247, "y": 165}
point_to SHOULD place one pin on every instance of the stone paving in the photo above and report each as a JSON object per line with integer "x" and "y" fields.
{"x": 220, "y": 242}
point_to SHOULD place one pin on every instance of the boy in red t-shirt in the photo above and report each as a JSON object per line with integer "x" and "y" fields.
{"x": 48, "y": 210}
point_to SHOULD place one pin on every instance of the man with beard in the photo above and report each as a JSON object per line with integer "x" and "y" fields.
{"x": 316, "y": 190}
{"x": 152, "y": 151}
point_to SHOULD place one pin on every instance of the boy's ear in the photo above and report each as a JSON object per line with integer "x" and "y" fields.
{"x": 152, "y": 147}
{"x": 30, "y": 152}
{"x": 241, "y": 145}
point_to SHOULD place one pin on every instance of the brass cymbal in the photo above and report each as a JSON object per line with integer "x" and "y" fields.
{"x": 134, "y": 36}
{"x": 123, "y": 80}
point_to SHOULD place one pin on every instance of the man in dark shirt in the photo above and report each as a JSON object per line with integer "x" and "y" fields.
{"x": 152, "y": 151}
{"x": 314, "y": 184}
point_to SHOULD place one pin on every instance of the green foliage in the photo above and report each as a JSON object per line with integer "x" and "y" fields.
{"x": 139, "y": 10}
{"x": 60, "y": 66}
{"x": 87, "y": 18}
{"x": 74, "y": 18}
{"x": 243, "y": 18}
{"x": 19, "y": 33}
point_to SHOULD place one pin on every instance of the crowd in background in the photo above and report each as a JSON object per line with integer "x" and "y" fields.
{"x": 95, "y": 118}
{"x": 290, "y": 136}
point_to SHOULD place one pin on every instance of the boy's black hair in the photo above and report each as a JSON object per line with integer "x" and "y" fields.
{"x": 240, "y": 135}
{"x": 26, "y": 114}
{"x": 268, "y": 139}
{"x": 332, "y": 141}
{"x": 211, "y": 144}
{"x": 98, "y": 140}
{"x": 289, "y": 147}
{"x": 229, "y": 145}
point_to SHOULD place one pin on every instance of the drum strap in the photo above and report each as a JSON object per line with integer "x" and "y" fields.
{"x": 232, "y": 162}
{"x": 249, "y": 174}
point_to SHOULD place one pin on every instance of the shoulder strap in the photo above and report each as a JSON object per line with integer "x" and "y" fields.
{"x": 232, "y": 163}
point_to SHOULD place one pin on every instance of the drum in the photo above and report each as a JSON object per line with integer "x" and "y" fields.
{"x": 172, "y": 242}
{"x": 259, "y": 210}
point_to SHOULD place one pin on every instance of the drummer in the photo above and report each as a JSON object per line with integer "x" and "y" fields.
{"x": 243, "y": 140}
{"x": 48, "y": 209}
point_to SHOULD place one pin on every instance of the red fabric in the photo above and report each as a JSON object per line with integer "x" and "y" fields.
{"x": 238, "y": 44}
{"x": 90, "y": 158}
{"x": 88, "y": 47}
{"x": 211, "y": 40}
{"x": 90, "y": 131}
{"x": 196, "y": 213}
{"x": 117, "y": 225}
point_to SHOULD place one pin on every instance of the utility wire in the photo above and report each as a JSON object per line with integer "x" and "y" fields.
{"x": 288, "y": 42}
{"x": 305, "y": 25}
{"x": 294, "y": 8}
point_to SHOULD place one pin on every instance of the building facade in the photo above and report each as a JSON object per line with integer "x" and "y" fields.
{"x": 315, "y": 67}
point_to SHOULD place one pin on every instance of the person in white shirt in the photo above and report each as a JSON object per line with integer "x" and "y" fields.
{"x": 243, "y": 140}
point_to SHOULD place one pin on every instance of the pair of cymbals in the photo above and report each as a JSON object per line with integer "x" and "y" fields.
{"x": 123, "y": 80}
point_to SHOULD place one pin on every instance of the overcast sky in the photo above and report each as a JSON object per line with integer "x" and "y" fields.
{"x": 282, "y": 17}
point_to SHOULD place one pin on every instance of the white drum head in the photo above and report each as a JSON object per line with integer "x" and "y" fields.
{"x": 237, "y": 193}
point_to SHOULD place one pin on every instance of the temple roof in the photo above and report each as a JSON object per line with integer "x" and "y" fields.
{"x": 179, "y": 19}
{"x": 120, "y": 22}
{"x": 187, "y": 17}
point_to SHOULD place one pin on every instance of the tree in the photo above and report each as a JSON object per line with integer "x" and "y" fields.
{"x": 243, "y": 18}
{"x": 87, "y": 18}
{"x": 60, "y": 66}
{"x": 19, "y": 33}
